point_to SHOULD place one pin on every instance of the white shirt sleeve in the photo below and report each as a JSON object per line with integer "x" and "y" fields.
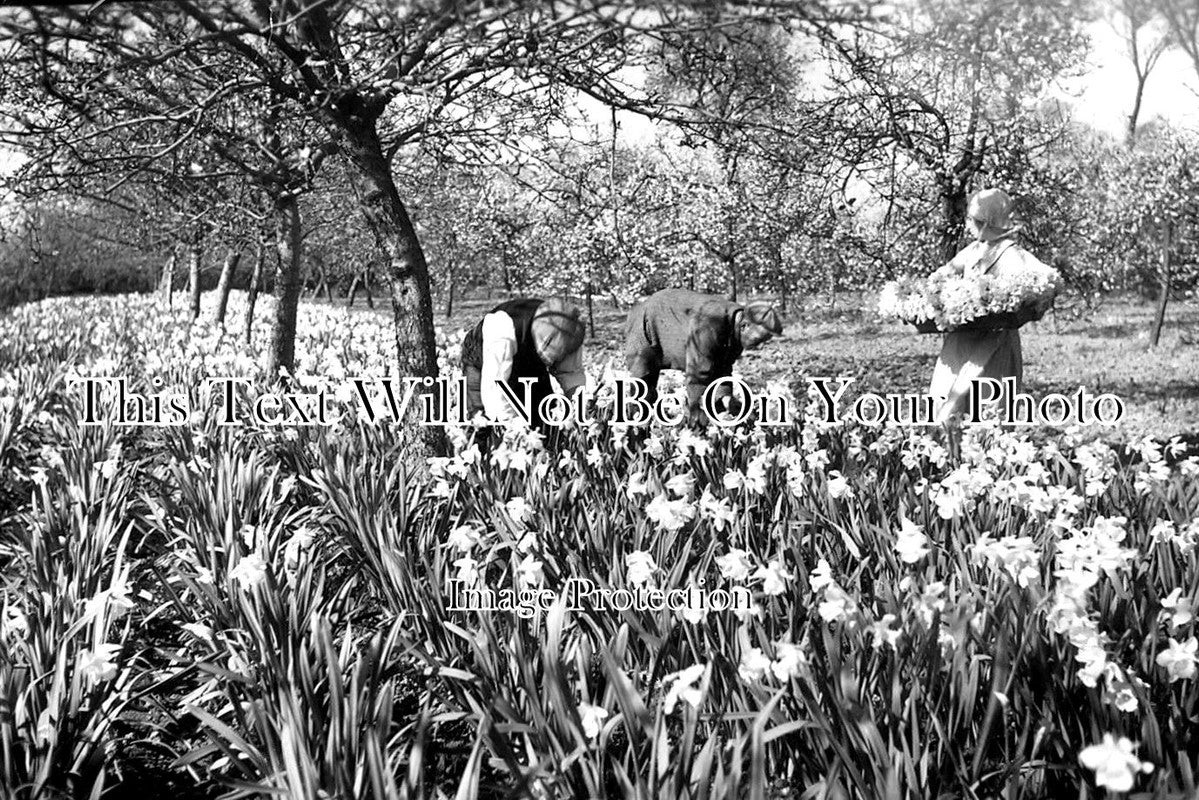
{"x": 499, "y": 348}
{"x": 569, "y": 373}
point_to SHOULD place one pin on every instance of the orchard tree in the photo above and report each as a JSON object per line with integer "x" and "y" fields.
{"x": 765, "y": 136}
{"x": 1182, "y": 22}
{"x": 378, "y": 76}
{"x": 1138, "y": 25}
{"x": 931, "y": 106}
{"x": 139, "y": 94}
{"x": 1152, "y": 213}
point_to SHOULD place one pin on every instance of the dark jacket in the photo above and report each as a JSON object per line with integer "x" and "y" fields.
{"x": 684, "y": 330}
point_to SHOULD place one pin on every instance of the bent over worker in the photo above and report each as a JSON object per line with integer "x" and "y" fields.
{"x": 703, "y": 335}
{"x": 525, "y": 337}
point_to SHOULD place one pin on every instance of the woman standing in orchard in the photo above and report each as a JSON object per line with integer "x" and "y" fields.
{"x": 967, "y": 355}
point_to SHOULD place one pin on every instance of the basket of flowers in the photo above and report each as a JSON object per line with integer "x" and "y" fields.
{"x": 954, "y": 300}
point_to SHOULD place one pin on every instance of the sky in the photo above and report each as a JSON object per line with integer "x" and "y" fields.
{"x": 1101, "y": 97}
{"x": 1105, "y": 93}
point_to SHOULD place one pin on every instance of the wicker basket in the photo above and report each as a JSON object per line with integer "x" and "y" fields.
{"x": 1004, "y": 320}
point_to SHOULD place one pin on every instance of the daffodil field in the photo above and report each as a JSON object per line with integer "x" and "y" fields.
{"x": 228, "y": 610}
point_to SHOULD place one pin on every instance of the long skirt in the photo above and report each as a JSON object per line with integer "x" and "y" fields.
{"x": 968, "y": 355}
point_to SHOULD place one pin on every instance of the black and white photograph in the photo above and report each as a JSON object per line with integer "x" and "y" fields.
{"x": 681, "y": 399}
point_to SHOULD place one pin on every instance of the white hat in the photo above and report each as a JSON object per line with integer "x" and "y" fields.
{"x": 992, "y": 210}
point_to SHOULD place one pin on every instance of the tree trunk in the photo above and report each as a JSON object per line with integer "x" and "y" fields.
{"x": 591, "y": 308}
{"x": 1159, "y": 318}
{"x": 193, "y": 278}
{"x": 366, "y": 284}
{"x": 507, "y": 270}
{"x": 252, "y": 294}
{"x": 953, "y": 217}
{"x": 449, "y": 297}
{"x": 350, "y": 295}
{"x": 407, "y": 271}
{"x": 166, "y": 284}
{"x": 1135, "y": 115}
{"x": 225, "y": 284}
{"x": 282, "y": 350}
{"x": 328, "y": 284}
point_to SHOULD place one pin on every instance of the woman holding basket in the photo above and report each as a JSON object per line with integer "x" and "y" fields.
{"x": 967, "y": 355}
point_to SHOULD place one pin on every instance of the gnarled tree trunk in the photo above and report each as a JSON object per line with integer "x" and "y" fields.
{"x": 407, "y": 273}
{"x": 282, "y": 349}
{"x": 953, "y": 216}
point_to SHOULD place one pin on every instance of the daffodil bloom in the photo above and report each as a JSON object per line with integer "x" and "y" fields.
{"x": 519, "y": 510}
{"x": 1162, "y": 532}
{"x": 464, "y": 538}
{"x": 683, "y": 686}
{"x": 468, "y": 570}
{"x": 735, "y": 564}
{"x": 911, "y": 543}
{"x": 838, "y": 485}
{"x": 790, "y": 661}
{"x": 639, "y": 566}
{"x": 530, "y": 572}
{"x": 99, "y": 665}
{"x": 592, "y": 718}
{"x": 821, "y": 577}
{"x": 837, "y": 605}
{"x": 1177, "y": 609}
{"x": 774, "y": 578}
{"x": 694, "y": 614}
{"x": 250, "y": 571}
{"x": 14, "y": 624}
{"x": 754, "y": 665}
{"x": 1179, "y": 659}
{"x": 734, "y": 479}
{"x": 654, "y": 446}
{"x": 720, "y": 512}
{"x": 681, "y": 485}
{"x": 594, "y": 456}
{"x": 817, "y": 460}
{"x": 669, "y": 515}
{"x": 1114, "y": 763}
{"x": 1094, "y": 661}
{"x": 931, "y": 602}
{"x": 882, "y": 634}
